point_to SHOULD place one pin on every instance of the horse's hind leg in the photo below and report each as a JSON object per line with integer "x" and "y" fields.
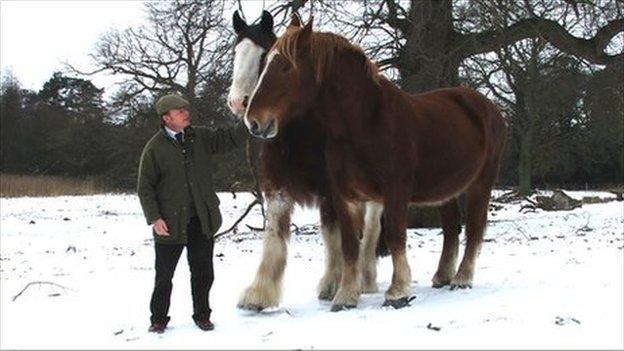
{"x": 477, "y": 201}
{"x": 370, "y": 236}
{"x": 330, "y": 282}
{"x": 265, "y": 290}
{"x": 451, "y": 226}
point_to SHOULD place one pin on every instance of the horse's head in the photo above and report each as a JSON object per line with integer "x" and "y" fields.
{"x": 250, "y": 48}
{"x": 286, "y": 86}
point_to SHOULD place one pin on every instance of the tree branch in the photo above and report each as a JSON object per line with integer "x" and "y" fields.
{"x": 591, "y": 49}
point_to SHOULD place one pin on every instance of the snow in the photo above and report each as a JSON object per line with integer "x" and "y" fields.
{"x": 547, "y": 280}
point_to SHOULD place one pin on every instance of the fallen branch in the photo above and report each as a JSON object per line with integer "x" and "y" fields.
{"x": 433, "y": 327}
{"x": 558, "y": 201}
{"x": 39, "y": 283}
{"x": 255, "y": 229}
{"x": 251, "y": 205}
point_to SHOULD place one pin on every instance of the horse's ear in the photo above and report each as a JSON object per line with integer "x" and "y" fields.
{"x": 267, "y": 21}
{"x": 308, "y": 26}
{"x": 305, "y": 36}
{"x": 238, "y": 23}
{"x": 295, "y": 21}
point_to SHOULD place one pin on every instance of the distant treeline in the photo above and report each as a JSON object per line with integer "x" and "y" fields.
{"x": 66, "y": 129}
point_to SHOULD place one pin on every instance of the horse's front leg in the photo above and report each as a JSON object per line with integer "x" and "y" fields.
{"x": 329, "y": 283}
{"x": 265, "y": 290}
{"x": 348, "y": 294}
{"x": 395, "y": 213}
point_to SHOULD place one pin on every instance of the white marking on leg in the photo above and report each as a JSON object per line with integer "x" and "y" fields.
{"x": 265, "y": 290}
{"x": 330, "y": 282}
{"x": 401, "y": 278}
{"x": 370, "y": 238}
{"x": 349, "y": 292}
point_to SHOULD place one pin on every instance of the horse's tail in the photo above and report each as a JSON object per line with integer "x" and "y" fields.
{"x": 382, "y": 247}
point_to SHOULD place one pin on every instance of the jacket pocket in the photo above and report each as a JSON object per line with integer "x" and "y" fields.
{"x": 212, "y": 203}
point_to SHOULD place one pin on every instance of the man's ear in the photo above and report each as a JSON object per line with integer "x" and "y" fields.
{"x": 165, "y": 118}
{"x": 295, "y": 21}
{"x": 238, "y": 23}
{"x": 266, "y": 22}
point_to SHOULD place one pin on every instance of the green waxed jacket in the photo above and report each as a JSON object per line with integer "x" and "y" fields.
{"x": 163, "y": 187}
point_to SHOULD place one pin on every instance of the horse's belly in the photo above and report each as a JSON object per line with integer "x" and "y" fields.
{"x": 434, "y": 186}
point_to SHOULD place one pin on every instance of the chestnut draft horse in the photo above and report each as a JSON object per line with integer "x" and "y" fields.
{"x": 382, "y": 144}
{"x": 292, "y": 169}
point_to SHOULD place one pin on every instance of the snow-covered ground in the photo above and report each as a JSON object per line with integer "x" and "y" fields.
{"x": 543, "y": 280}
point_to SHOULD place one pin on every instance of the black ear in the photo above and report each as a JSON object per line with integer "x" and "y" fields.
{"x": 238, "y": 22}
{"x": 267, "y": 21}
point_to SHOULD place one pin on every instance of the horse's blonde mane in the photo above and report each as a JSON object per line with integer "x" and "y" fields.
{"x": 323, "y": 48}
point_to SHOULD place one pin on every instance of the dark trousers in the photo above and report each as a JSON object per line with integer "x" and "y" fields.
{"x": 199, "y": 249}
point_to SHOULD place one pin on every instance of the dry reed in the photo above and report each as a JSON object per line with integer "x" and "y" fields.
{"x": 12, "y": 185}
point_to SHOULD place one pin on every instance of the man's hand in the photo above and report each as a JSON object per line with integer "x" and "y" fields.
{"x": 160, "y": 227}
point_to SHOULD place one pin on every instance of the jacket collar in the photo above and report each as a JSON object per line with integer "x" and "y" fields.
{"x": 189, "y": 132}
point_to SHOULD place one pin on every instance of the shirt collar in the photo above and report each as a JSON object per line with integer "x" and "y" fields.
{"x": 171, "y": 133}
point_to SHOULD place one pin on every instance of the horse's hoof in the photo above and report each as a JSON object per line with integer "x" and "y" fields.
{"x": 338, "y": 308}
{"x": 462, "y": 280}
{"x": 455, "y": 286}
{"x": 438, "y": 285}
{"x": 250, "y": 307}
{"x": 441, "y": 279}
{"x": 398, "y": 303}
{"x": 326, "y": 295}
{"x": 328, "y": 292}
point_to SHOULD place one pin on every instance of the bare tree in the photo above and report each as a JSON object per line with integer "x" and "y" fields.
{"x": 540, "y": 88}
{"x": 425, "y": 41}
{"x": 183, "y": 44}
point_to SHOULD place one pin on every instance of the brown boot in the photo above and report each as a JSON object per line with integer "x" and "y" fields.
{"x": 204, "y": 324}
{"x": 159, "y": 326}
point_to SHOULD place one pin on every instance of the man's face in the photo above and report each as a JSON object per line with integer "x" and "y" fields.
{"x": 177, "y": 119}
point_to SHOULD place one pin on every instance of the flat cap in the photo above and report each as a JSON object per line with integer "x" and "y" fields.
{"x": 170, "y": 102}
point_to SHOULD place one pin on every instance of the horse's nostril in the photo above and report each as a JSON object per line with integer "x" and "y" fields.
{"x": 254, "y": 127}
{"x": 245, "y": 100}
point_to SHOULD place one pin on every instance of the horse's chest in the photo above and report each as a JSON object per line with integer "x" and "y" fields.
{"x": 351, "y": 172}
{"x": 296, "y": 167}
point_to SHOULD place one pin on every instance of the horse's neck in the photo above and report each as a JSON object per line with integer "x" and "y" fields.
{"x": 348, "y": 98}
{"x": 300, "y": 131}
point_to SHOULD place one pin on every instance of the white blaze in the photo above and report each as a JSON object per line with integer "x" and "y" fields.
{"x": 270, "y": 58}
{"x": 247, "y": 56}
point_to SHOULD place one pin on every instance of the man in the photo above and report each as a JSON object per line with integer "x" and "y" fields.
{"x": 179, "y": 202}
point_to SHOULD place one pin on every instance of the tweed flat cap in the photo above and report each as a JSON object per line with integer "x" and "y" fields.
{"x": 170, "y": 102}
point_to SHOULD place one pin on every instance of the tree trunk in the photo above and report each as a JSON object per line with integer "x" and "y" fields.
{"x": 524, "y": 165}
{"x": 427, "y": 61}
